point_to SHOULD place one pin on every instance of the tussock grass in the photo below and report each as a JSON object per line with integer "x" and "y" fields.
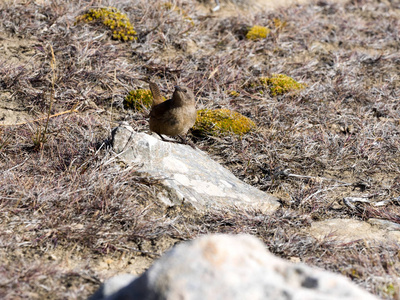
{"x": 338, "y": 137}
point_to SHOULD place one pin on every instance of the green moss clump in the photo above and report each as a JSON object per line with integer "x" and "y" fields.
{"x": 222, "y": 122}
{"x": 138, "y": 99}
{"x": 279, "y": 84}
{"x": 257, "y": 32}
{"x": 112, "y": 18}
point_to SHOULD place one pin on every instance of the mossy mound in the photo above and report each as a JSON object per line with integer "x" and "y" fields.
{"x": 112, "y": 18}
{"x": 138, "y": 100}
{"x": 279, "y": 84}
{"x": 222, "y": 122}
{"x": 257, "y": 32}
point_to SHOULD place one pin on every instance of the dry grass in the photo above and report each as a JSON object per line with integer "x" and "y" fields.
{"x": 337, "y": 138}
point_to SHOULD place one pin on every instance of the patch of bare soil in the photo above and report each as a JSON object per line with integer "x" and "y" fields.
{"x": 71, "y": 215}
{"x": 10, "y": 112}
{"x": 14, "y": 51}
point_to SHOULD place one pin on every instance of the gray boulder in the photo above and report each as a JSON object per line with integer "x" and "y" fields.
{"x": 188, "y": 175}
{"x": 233, "y": 267}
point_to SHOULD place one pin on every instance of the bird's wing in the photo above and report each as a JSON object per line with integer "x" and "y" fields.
{"x": 158, "y": 111}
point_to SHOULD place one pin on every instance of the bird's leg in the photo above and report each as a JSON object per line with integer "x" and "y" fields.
{"x": 186, "y": 142}
{"x": 171, "y": 141}
{"x": 183, "y": 141}
{"x": 162, "y": 137}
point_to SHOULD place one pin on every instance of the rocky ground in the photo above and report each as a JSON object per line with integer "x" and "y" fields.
{"x": 71, "y": 216}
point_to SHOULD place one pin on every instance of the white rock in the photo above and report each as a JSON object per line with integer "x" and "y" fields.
{"x": 234, "y": 267}
{"x": 188, "y": 175}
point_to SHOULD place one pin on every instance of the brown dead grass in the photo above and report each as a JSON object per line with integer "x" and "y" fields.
{"x": 71, "y": 216}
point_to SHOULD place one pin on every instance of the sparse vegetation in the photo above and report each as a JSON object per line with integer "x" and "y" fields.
{"x": 138, "y": 100}
{"x": 279, "y": 24}
{"x": 171, "y": 6}
{"x": 40, "y": 136}
{"x": 71, "y": 217}
{"x": 234, "y": 93}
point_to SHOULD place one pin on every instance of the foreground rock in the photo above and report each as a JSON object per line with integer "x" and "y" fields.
{"x": 188, "y": 175}
{"x": 230, "y": 267}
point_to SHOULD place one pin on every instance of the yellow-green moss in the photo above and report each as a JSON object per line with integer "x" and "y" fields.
{"x": 138, "y": 99}
{"x": 278, "y": 23}
{"x": 257, "y": 32}
{"x": 113, "y": 19}
{"x": 279, "y": 84}
{"x": 234, "y": 93}
{"x": 390, "y": 290}
{"x": 222, "y": 122}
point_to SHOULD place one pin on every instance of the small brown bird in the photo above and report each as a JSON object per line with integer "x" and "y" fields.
{"x": 175, "y": 116}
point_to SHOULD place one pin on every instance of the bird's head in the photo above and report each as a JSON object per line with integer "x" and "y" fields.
{"x": 183, "y": 94}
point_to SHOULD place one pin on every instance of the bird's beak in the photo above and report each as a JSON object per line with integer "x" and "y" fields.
{"x": 177, "y": 88}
